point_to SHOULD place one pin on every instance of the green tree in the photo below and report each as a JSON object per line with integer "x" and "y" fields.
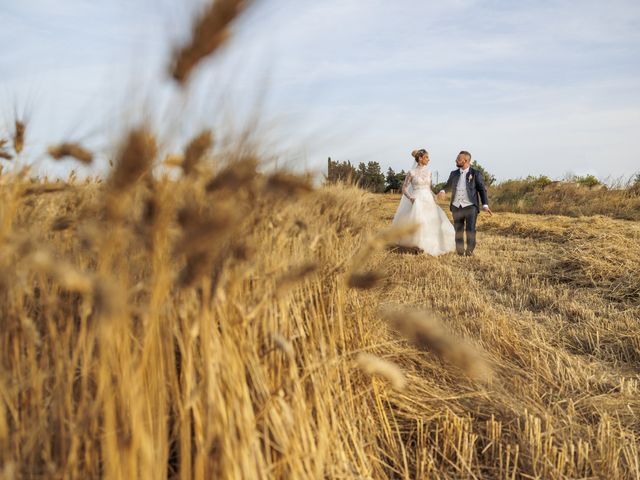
{"x": 361, "y": 175}
{"x": 368, "y": 176}
{"x": 375, "y": 178}
{"x": 489, "y": 179}
{"x": 588, "y": 181}
{"x": 392, "y": 181}
{"x": 438, "y": 186}
{"x": 539, "y": 181}
{"x": 340, "y": 171}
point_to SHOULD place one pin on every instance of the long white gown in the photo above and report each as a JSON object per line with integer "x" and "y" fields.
{"x": 435, "y": 234}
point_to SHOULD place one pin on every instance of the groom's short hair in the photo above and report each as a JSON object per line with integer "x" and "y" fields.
{"x": 464, "y": 152}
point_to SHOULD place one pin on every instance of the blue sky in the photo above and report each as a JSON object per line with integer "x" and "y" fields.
{"x": 529, "y": 87}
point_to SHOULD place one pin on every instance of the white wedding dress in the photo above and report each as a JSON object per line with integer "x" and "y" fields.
{"x": 435, "y": 234}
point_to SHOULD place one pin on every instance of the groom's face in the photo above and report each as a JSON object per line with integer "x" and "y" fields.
{"x": 462, "y": 161}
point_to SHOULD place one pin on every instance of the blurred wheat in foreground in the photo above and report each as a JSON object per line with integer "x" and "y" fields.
{"x": 152, "y": 329}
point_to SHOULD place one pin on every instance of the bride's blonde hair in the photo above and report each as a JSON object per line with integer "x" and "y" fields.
{"x": 418, "y": 152}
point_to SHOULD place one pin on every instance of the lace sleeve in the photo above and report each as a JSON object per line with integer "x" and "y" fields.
{"x": 405, "y": 186}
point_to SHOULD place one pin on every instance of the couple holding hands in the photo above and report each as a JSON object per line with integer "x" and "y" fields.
{"x": 435, "y": 234}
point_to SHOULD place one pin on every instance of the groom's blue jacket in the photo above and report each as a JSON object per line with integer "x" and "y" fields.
{"x": 474, "y": 183}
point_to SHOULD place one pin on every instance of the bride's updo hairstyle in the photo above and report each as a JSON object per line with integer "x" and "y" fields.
{"x": 417, "y": 154}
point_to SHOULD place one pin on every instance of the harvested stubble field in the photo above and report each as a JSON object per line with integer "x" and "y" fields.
{"x": 238, "y": 325}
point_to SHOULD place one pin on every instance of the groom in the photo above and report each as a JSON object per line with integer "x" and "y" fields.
{"x": 466, "y": 184}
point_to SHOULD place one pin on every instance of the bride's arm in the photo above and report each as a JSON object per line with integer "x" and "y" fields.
{"x": 405, "y": 187}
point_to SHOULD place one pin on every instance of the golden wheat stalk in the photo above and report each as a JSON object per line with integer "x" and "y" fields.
{"x": 380, "y": 240}
{"x": 288, "y": 184}
{"x": 3, "y": 152}
{"x": 365, "y": 280}
{"x": 202, "y": 232}
{"x": 72, "y": 150}
{"x": 426, "y": 332}
{"x": 134, "y": 159}
{"x": 283, "y": 345}
{"x": 195, "y": 150}
{"x": 294, "y": 276}
{"x": 18, "y": 135}
{"x": 209, "y": 32}
{"x": 63, "y": 273}
{"x": 61, "y": 223}
{"x": 373, "y": 365}
{"x": 239, "y": 174}
{"x": 173, "y": 160}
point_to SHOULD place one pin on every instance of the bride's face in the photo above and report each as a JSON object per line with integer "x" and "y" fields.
{"x": 424, "y": 159}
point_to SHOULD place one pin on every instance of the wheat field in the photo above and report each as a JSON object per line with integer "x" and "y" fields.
{"x": 228, "y": 321}
{"x": 233, "y": 324}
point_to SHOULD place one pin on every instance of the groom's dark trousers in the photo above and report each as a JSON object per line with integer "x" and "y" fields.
{"x": 464, "y": 220}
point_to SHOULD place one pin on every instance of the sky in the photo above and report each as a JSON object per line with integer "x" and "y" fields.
{"x": 530, "y": 87}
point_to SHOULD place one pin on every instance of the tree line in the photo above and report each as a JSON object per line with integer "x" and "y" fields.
{"x": 368, "y": 176}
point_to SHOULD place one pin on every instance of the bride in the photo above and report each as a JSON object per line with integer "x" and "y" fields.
{"x": 435, "y": 234}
